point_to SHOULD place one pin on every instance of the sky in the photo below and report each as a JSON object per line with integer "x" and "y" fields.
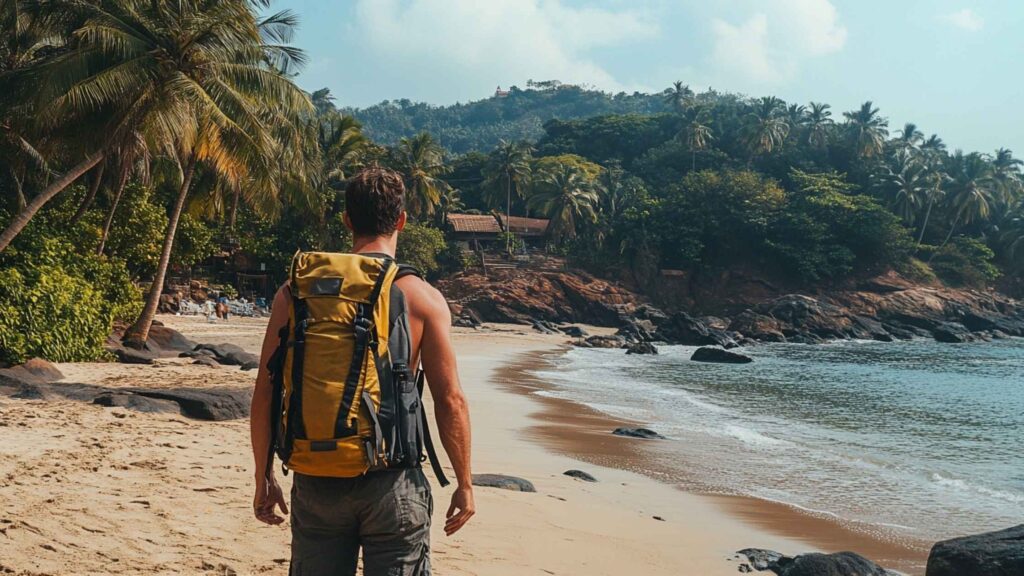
{"x": 951, "y": 66}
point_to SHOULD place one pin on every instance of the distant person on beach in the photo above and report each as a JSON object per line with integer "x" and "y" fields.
{"x": 383, "y": 508}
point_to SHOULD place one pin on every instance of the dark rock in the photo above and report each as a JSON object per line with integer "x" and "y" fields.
{"x": 605, "y": 342}
{"x": 709, "y": 354}
{"x": 36, "y": 370}
{"x": 644, "y": 433}
{"x": 838, "y": 564}
{"x": 230, "y": 354}
{"x": 575, "y": 331}
{"x": 251, "y": 365}
{"x": 581, "y": 475}
{"x": 990, "y": 554}
{"x": 197, "y": 353}
{"x": 642, "y": 348}
{"x": 545, "y": 327}
{"x": 761, "y": 559}
{"x": 758, "y": 327}
{"x": 136, "y": 402}
{"x": 203, "y": 360}
{"x": 504, "y": 482}
{"x": 681, "y": 328}
{"x": 133, "y": 356}
{"x": 951, "y": 333}
{"x": 651, "y": 313}
{"x": 204, "y": 404}
{"x": 744, "y": 568}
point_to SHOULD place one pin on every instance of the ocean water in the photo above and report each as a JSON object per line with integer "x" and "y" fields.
{"x": 915, "y": 439}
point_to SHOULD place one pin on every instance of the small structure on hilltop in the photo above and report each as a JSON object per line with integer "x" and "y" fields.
{"x": 529, "y": 229}
{"x": 499, "y": 93}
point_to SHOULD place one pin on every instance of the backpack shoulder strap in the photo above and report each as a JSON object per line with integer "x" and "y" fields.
{"x": 408, "y": 270}
{"x": 424, "y": 436}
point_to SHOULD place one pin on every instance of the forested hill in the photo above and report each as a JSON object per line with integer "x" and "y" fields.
{"x": 480, "y": 125}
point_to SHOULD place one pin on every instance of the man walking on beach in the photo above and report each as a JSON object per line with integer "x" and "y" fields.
{"x": 384, "y": 511}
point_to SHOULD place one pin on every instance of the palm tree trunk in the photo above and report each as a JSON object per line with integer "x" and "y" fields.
{"x": 948, "y": 236}
{"x": 19, "y": 222}
{"x": 924, "y": 225}
{"x": 90, "y": 196}
{"x": 508, "y": 215}
{"x": 137, "y": 335}
{"x": 234, "y": 211}
{"x": 693, "y": 166}
{"x": 19, "y": 190}
{"x": 113, "y": 209}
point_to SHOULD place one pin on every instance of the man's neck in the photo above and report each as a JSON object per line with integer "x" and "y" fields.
{"x": 376, "y": 244}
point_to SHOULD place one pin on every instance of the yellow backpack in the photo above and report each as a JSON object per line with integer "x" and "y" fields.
{"x": 345, "y": 400}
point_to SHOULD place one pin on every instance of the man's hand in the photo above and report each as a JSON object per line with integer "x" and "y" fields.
{"x": 268, "y": 497}
{"x": 461, "y": 510}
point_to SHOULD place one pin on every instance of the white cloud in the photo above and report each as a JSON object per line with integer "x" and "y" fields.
{"x": 478, "y": 44}
{"x": 965, "y": 19}
{"x": 768, "y": 48}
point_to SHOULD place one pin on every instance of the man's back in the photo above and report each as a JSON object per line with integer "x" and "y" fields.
{"x": 384, "y": 513}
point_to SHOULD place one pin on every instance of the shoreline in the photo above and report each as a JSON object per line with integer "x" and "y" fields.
{"x": 575, "y": 429}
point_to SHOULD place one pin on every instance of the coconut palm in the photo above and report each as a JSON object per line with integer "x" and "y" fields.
{"x": 972, "y": 190}
{"x": 343, "y": 143}
{"x": 867, "y": 130}
{"x": 909, "y": 136}
{"x": 568, "y": 198}
{"x": 420, "y": 159}
{"x": 507, "y": 172}
{"x": 766, "y": 128}
{"x": 934, "y": 144}
{"x": 904, "y": 182}
{"x": 696, "y": 131}
{"x": 194, "y": 78}
{"x": 679, "y": 96}
{"x": 935, "y": 181}
{"x": 1007, "y": 174}
{"x": 819, "y": 124}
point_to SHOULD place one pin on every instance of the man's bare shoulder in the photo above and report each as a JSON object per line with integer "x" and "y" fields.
{"x": 423, "y": 299}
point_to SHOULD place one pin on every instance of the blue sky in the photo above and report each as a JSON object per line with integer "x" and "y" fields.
{"x": 951, "y": 66}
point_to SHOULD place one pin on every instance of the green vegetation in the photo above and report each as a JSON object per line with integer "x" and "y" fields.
{"x": 139, "y": 138}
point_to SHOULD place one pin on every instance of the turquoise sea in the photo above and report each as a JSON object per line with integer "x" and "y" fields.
{"x": 915, "y": 439}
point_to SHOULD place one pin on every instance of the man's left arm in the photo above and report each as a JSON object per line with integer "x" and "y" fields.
{"x": 451, "y": 410}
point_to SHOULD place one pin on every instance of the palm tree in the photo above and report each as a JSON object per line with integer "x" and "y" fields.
{"x": 935, "y": 181}
{"x": 421, "y": 161}
{"x": 567, "y": 198}
{"x": 696, "y": 131}
{"x": 343, "y": 143}
{"x": 1007, "y": 174}
{"x": 934, "y": 144}
{"x": 819, "y": 124}
{"x": 195, "y": 79}
{"x": 972, "y": 190}
{"x": 909, "y": 136}
{"x": 766, "y": 128}
{"x": 867, "y": 130}
{"x": 508, "y": 169}
{"x": 679, "y": 96}
{"x": 905, "y": 182}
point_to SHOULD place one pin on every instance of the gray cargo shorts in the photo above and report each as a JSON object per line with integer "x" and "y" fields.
{"x": 387, "y": 514}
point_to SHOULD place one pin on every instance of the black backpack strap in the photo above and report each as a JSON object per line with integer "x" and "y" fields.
{"x": 424, "y": 435}
{"x": 408, "y": 270}
{"x": 366, "y": 337}
{"x": 275, "y": 366}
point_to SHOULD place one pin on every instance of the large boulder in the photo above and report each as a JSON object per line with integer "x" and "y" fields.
{"x": 711, "y": 354}
{"x": 641, "y": 348}
{"x": 136, "y": 402}
{"x": 758, "y": 327}
{"x": 952, "y": 333}
{"x": 231, "y": 355}
{"x": 204, "y": 403}
{"x": 504, "y": 482}
{"x": 681, "y": 328}
{"x": 815, "y": 564}
{"x": 35, "y": 370}
{"x": 990, "y": 554}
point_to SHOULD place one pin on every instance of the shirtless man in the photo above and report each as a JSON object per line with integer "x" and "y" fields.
{"x": 385, "y": 513}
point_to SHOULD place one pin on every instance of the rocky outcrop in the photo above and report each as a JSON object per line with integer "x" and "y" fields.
{"x": 991, "y": 554}
{"x": 838, "y": 564}
{"x": 231, "y": 355}
{"x": 524, "y": 296}
{"x": 718, "y": 355}
{"x": 681, "y": 328}
{"x": 580, "y": 475}
{"x": 504, "y": 482}
{"x": 163, "y": 342}
{"x": 641, "y": 348}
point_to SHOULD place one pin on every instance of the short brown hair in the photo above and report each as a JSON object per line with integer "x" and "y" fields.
{"x": 374, "y": 201}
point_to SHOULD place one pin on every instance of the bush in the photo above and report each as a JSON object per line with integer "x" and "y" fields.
{"x": 420, "y": 246}
{"x": 56, "y": 302}
{"x": 963, "y": 262}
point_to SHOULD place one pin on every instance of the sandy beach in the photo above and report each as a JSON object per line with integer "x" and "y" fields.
{"x": 92, "y": 490}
